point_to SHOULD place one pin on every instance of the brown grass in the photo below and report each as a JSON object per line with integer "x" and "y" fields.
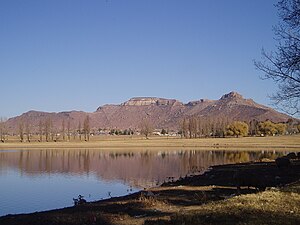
{"x": 182, "y": 204}
{"x": 270, "y": 207}
{"x": 137, "y": 142}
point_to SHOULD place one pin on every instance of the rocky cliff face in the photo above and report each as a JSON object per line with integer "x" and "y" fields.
{"x": 162, "y": 113}
{"x": 142, "y": 101}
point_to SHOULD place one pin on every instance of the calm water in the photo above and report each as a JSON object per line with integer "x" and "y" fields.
{"x": 38, "y": 180}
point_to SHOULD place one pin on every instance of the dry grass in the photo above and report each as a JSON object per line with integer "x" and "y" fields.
{"x": 137, "y": 142}
{"x": 194, "y": 205}
{"x": 275, "y": 206}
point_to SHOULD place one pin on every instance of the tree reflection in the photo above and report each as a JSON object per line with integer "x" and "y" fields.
{"x": 139, "y": 169}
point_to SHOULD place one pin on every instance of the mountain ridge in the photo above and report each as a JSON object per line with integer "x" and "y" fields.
{"x": 161, "y": 112}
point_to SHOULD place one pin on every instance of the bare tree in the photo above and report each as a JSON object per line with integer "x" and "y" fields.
{"x": 184, "y": 127}
{"x": 21, "y": 131}
{"x": 146, "y": 128}
{"x": 27, "y": 131}
{"x": 283, "y": 66}
{"x": 86, "y": 128}
{"x": 47, "y": 128}
{"x": 79, "y": 130}
{"x": 40, "y": 131}
{"x": 253, "y": 127}
{"x": 52, "y": 130}
{"x": 63, "y": 130}
{"x": 69, "y": 129}
{"x": 2, "y": 129}
{"x": 192, "y": 127}
{"x": 200, "y": 127}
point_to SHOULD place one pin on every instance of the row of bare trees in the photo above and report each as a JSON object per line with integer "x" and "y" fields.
{"x": 194, "y": 127}
{"x": 48, "y": 132}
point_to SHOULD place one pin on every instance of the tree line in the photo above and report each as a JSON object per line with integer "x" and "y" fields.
{"x": 197, "y": 127}
{"x": 47, "y": 132}
{"x": 190, "y": 127}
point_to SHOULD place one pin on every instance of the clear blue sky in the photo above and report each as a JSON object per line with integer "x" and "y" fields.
{"x": 59, "y": 55}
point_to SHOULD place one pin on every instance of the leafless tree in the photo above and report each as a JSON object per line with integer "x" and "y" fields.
{"x": 184, "y": 126}
{"x": 253, "y": 127}
{"x": 192, "y": 127}
{"x": 52, "y": 130}
{"x": 69, "y": 129}
{"x": 40, "y": 131}
{"x": 63, "y": 130}
{"x": 200, "y": 127}
{"x": 86, "y": 128}
{"x": 79, "y": 130}
{"x": 2, "y": 129}
{"x": 47, "y": 128}
{"x": 146, "y": 127}
{"x": 27, "y": 131}
{"x": 283, "y": 65}
{"x": 21, "y": 131}
{"x": 74, "y": 133}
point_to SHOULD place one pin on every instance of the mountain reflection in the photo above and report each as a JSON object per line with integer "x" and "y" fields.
{"x": 137, "y": 168}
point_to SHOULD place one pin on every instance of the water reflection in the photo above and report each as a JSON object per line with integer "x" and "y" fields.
{"x": 39, "y": 180}
{"x": 139, "y": 169}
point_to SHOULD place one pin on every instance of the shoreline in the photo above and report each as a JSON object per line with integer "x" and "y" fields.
{"x": 198, "y": 199}
{"x": 277, "y": 143}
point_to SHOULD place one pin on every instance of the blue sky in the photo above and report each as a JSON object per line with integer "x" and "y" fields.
{"x": 60, "y": 55}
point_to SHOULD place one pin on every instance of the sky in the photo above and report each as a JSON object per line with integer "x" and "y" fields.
{"x": 61, "y": 55}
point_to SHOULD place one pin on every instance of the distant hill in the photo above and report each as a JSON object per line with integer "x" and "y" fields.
{"x": 161, "y": 112}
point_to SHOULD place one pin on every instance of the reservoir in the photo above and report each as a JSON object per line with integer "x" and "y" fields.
{"x": 38, "y": 180}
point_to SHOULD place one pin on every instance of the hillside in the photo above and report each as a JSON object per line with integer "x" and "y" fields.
{"x": 162, "y": 113}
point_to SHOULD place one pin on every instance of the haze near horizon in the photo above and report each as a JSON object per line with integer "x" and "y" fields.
{"x": 78, "y": 55}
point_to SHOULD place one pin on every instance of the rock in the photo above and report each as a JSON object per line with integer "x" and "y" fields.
{"x": 283, "y": 162}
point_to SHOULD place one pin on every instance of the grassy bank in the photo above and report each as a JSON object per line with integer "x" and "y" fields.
{"x": 138, "y": 142}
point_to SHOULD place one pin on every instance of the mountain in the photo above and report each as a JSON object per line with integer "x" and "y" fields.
{"x": 161, "y": 112}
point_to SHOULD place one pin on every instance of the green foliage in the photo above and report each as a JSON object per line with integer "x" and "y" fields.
{"x": 281, "y": 128}
{"x": 237, "y": 128}
{"x": 121, "y": 132}
{"x": 270, "y": 128}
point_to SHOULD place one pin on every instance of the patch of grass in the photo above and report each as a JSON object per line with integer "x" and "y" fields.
{"x": 150, "y": 200}
{"x": 183, "y": 203}
{"x": 275, "y": 206}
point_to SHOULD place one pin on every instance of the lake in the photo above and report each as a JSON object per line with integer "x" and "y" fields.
{"x": 38, "y": 180}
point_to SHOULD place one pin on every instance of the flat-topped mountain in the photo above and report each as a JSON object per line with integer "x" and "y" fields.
{"x": 140, "y": 101}
{"x": 161, "y": 112}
